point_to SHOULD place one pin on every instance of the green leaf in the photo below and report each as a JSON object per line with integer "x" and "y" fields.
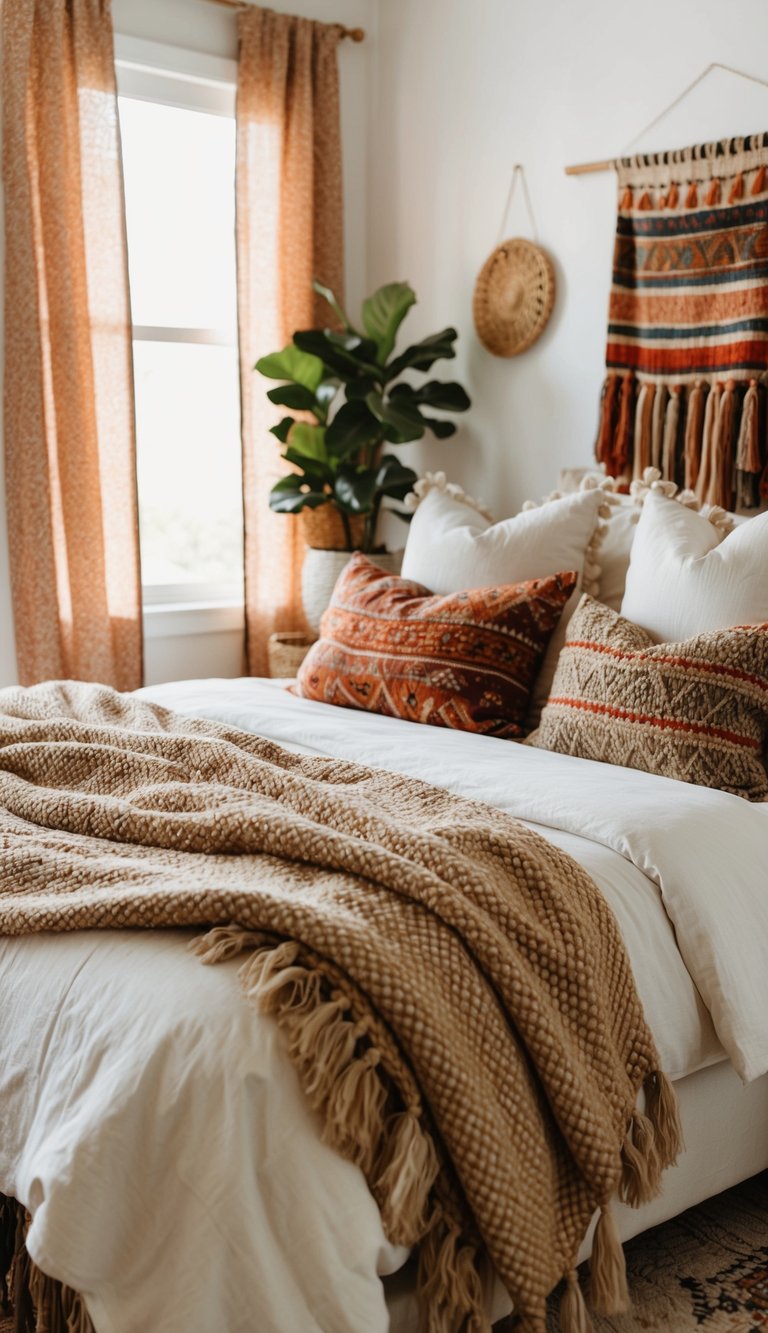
{"x": 287, "y": 497}
{"x": 355, "y": 489}
{"x": 340, "y": 360}
{"x": 294, "y": 365}
{"x": 353, "y": 427}
{"x": 292, "y": 395}
{"x": 352, "y": 342}
{"x": 328, "y": 296}
{"x": 401, "y": 418}
{"x": 442, "y": 429}
{"x": 384, "y": 312}
{"x": 315, "y": 473}
{"x": 405, "y": 514}
{"x": 393, "y": 479}
{"x": 308, "y": 441}
{"x": 359, "y": 389}
{"x": 282, "y": 428}
{"x": 421, "y": 356}
{"x": 445, "y": 395}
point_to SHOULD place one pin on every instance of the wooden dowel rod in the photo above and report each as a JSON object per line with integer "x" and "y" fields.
{"x": 582, "y": 168}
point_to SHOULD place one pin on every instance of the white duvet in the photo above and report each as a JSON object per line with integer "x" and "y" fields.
{"x": 150, "y": 1119}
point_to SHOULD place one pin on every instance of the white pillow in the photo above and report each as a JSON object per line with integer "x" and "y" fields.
{"x": 616, "y": 550}
{"x": 616, "y": 546}
{"x": 452, "y": 546}
{"x": 685, "y": 578}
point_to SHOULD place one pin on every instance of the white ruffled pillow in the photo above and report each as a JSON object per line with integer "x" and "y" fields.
{"x": 453, "y": 545}
{"x": 616, "y": 546}
{"x": 686, "y": 577}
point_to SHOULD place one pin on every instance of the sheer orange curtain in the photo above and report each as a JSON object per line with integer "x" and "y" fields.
{"x": 69, "y": 425}
{"x": 289, "y": 231}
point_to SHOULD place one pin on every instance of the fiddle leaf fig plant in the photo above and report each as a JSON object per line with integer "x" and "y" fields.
{"x": 348, "y": 387}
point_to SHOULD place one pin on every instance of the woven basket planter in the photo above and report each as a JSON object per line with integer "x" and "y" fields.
{"x": 320, "y": 572}
{"x": 287, "y": 651}
{"x": 323, "y": 529}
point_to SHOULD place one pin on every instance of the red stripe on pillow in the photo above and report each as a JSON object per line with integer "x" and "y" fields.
{"x": 665, "y": 723}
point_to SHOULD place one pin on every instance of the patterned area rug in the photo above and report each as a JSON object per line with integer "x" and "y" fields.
{"x": 704, "y": 1272}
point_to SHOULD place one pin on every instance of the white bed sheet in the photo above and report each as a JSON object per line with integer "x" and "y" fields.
{"x": 174, "y": 1172}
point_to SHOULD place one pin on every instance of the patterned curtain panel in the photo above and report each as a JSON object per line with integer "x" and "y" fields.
{"x": 69, "y": 426}
{"x": 687, "y": 356}
{"x": 289, "y": 231}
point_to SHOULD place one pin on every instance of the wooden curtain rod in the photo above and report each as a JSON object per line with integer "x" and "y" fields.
{"x": 355, "y": 34}
{"x": 609, "y": 164}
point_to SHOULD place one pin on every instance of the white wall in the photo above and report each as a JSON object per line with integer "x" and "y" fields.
{"x": 467, "y": 89}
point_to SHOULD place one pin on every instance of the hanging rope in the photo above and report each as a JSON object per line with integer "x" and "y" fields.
{"x": 518, "y": 171}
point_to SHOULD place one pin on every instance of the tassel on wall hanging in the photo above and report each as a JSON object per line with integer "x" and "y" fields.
{"x": 687, "y": 354}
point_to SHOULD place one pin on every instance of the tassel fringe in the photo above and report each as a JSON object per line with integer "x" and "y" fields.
{"x": 340, "y": 1071}
{"x": 451, "y": 1290}
{"x": 694, "y": 426}
{"x": 573, "y": 1310}
{"x": 653, "y": 1142}
{"x": 663, "y": 1114}
{"x": 608, "y": 1273}
{"x": 748, "y": 447}
{"x": 407, "y": 1162}
{"x": 640, "y": 1167}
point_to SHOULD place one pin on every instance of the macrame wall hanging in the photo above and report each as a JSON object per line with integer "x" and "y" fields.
{"x": 515, "y": 290}
{"x": 687, "y": 354}
{"x": 686, "y": 388}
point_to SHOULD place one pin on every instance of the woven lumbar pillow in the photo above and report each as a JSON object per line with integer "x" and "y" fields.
{"x": 466, "y": 660}
{"x": 453, "y": 544}
{"x": 696, "y": 711}
{"x": 685, "y": 577}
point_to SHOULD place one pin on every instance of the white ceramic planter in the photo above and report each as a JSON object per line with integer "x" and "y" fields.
{"x": 320, "y": 571}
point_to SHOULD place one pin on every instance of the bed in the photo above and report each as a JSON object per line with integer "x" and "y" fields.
{"x": 155, "y": 1129}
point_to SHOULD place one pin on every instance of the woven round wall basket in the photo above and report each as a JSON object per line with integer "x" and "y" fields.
{"x": 514, "y": 296}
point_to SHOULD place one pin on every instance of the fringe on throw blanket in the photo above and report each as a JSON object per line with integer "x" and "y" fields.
{"x": 344, "y": 1079}
{"x": 342, "y": 1065}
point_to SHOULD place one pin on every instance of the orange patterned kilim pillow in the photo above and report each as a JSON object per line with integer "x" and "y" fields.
{"x": 696, "y": 711}
{"x": 466, "y": 660}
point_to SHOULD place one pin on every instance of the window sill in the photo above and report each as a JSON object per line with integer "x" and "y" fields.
{"x": 167, "y": 619}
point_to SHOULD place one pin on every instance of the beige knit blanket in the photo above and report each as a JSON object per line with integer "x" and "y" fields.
{"x": 453, "y": 989}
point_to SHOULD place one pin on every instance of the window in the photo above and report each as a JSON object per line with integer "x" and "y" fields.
{"x": 178, "y": 134}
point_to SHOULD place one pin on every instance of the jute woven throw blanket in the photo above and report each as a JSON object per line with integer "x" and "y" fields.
{"x": 453, "y": 990}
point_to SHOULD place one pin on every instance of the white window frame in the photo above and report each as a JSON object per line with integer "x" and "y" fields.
{"x": 195, "y": 81}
